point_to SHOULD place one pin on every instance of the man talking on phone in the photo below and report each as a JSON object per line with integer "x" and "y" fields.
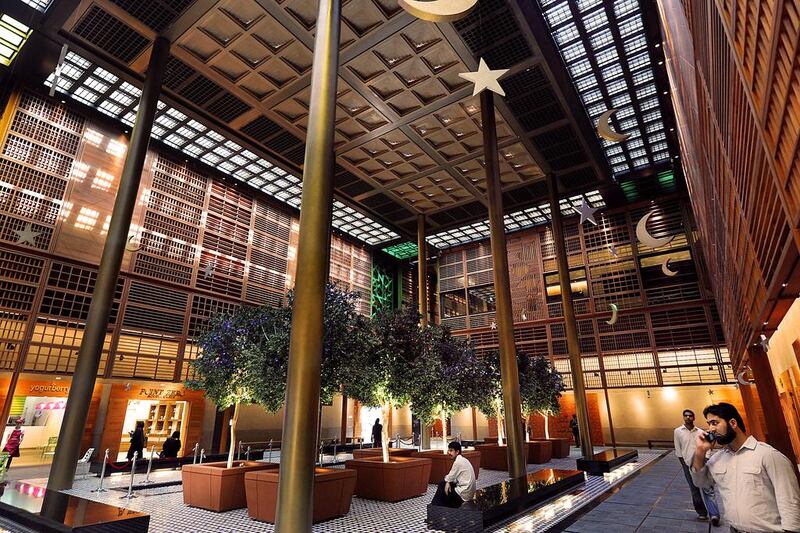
{"x": 756, "y": 482}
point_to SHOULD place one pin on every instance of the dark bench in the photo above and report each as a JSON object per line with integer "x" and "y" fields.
{"x": 48, "y": 511}
{"x": 605, "y": 461}
{"x": 496, "y": 502}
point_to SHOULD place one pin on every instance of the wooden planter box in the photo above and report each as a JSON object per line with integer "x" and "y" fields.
{"x": 494, "y": 456}
{"x": 363, "y": 453}
{"x": 539, "y": 451}
{"x": 333, "y": 491}
{"x": 399, "y": 479}
{"x": 560, "y": 447}
{"x": 443, "y": 463}
{"x": 214, "y": 487}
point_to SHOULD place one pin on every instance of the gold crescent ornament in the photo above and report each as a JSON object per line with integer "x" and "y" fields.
{"x": 613, "y": 319}
{"x": 605, "y": 130}
{"x": 666, "y": 270}
{"x": 129, "y": 246}
{"x": 438, "y": 10}
{"x": 644, "y": 236}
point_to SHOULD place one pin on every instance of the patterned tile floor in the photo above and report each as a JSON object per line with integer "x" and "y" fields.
{"x": 169, "y": 514}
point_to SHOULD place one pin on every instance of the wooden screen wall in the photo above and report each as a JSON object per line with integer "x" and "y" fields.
{"x": 199, "y": 245}
{"x": 667, "y": 332}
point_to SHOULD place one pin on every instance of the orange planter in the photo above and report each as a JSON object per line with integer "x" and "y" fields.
{"x": 539, "y": 451}
{"x": 495, "y": 457}
{"x": 560, "y": 447}
{"x": 363, "y": 453}
{"x": 399, "y": 479}
{"x": 215, "y": 487}
{"x": 333, "y": 491}
{"x": 442, "y": 463}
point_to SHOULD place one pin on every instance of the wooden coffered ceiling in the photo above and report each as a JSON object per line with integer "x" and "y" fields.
{"x": 408, "y": 133}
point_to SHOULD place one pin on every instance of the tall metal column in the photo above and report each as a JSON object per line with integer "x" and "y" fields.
{"x": 509, "y": 371}
{"x": 296, "y": 480}
{"x": 62, "y": 473}
{"x": 571, "y": 326}
{"x": 422, "y": 270}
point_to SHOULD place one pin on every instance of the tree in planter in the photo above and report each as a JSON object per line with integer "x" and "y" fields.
{"x": 490, "y": 402}
{"x": 242, "y": 361}
{"x": 540, "y": 387}
{"x": 377, "y": 374}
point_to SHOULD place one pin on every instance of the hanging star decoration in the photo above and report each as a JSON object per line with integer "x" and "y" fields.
{"x": 27, "y": 234}
{"x": 493, "y": 325}
{"x": 613, "y": 251}
{"x": 587, "y": 212}
{"x": 483, "y": 78}
{"x": 209, "y": 270}
{"x": 764, "y": 342}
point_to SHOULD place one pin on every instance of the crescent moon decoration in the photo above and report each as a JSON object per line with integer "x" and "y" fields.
{"x": 132, "y": 247}
{"x": 613, "y": 319}
{"x": 644, "y": 236}
{"x": 439, "y": 10}
{"x": 742, "y": 379}
{"x": 666, "y": 270}
{"x": 605, "y": 130}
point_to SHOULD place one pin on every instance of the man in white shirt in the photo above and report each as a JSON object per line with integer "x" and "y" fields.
{"x": 459, "y": 484}
{"x": 685, "y": 437}
{"x": 757, "y": 483}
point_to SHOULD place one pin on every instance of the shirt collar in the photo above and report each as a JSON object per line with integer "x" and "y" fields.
{"x": 750, "y": 443}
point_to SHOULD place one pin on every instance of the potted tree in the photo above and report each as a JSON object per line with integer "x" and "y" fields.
{"x": 447, "y": 377}
{"x": 344, "y": 332}
{"x": 540, "y": 389}
{"x": 375, "y": 377}
{"x": 234, "y": 368}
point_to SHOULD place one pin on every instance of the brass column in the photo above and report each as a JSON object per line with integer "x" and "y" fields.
{"x": 62, "y": 473}
{"x": 422, "y": 270}
{"x": 571, "y": 326}
{"x": 517, "y": 460}
{"x": 296, "y": 478}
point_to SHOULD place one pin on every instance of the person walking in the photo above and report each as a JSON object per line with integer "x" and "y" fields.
{"x": 685, "y": 440}
{"x": 458, "y": 485}
{"x": 757, "y": 483}
{"x": 13, "y": 442}
{"x": 137, "y": 441}
{"x": 377, "y": 433}
{"x": 573, "y": 425}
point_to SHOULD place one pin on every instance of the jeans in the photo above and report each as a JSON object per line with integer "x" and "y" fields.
{"x": 702, "y": 499}
{"x": 446, "y": 500}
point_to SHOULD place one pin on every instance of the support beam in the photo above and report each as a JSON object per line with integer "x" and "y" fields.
{"x": 343, "y": 430}
{"x": 298, "y": 451}
{"x": 517, "y": 460}
{"x": 422, "y": 270}
{"x": 62, "y": 473}
{"x": 571, "y": 325}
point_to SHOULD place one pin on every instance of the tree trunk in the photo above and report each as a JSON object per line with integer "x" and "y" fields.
{"x": 232, "y": 446}
{"x": 443, "y": 418}
{"x": 546, "y": 425}
{"x": 500, "y": 433}
{"x": 385, "y": 432}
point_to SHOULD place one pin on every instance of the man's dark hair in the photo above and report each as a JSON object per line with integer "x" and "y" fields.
{"x": 688, "y": 411}
{"x": 455, "y": 445}
{"x": 726, "y": 412}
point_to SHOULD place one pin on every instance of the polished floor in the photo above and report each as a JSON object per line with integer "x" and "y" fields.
{"x": 652, "y": 497}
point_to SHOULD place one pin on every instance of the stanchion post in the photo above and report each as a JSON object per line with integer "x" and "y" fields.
{"x": 247, "y": 454}
{"x": 269, "y": 458}
{"x": 194, "y": 453}
{"x": 130, "y": 493}
{"x": 102, "y": 474}
{"x": 149, "y": 466}
{"x": 202, "y": 454}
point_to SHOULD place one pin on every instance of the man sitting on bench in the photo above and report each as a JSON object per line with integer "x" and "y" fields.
{"x": 459, "y": 484}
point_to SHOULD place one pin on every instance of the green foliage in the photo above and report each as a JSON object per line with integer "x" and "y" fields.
{"x": 540, "y": 385}
{"x": 491, "y": 385}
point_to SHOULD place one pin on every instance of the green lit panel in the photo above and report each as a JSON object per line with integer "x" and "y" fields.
{"x": 382, "y": 298}
{"x": 13, "y": 35}
{"x": 404, "y": 250}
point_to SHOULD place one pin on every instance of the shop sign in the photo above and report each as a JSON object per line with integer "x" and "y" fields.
{"x": 52, "y": 387}
{"x": 166, "y": 394}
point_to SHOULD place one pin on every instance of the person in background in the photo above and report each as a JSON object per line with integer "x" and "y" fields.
{"x": 13, "y": 442}
{"x": 757, "y": 483}
{"x": 458, "y": 485}
{"x": 685, "y": 439}
{"x": 573, "y": 425}
{"x": 171, "y": 446}
{"x": 137, "y": 441}
{"x": 377, "y": 433}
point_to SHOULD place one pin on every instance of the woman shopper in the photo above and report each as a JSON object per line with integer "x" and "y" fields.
{"x": 13, "y": 442}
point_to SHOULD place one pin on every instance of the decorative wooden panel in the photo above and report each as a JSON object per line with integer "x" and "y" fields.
{"x": 351, "y": 268}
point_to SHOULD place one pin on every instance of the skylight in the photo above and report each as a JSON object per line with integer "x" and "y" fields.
{"x": 98, "y": 88}
{"x": 518, "y": 220}
{"x": 13, "y": 35}
{"x": 604, "y": 47}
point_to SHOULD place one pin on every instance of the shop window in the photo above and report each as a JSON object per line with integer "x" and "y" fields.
{"x": 481, "y": 299}
{"x": 454, "y": 304}
{"x": 577, "y": 277}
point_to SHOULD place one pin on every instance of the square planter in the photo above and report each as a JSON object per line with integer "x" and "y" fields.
{"x": 539, "y": 451}
{"x": 214, "y": 487}
{"x": 442, "y": 463}
{"x": 363, "y": 453}
{"x": 399, "y": 479}
{"x": 560, "y": 447}
{"x": 494, "y": 456}
{"x": 333, "y": 491}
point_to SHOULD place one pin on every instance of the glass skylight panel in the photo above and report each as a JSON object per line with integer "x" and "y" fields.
{"x": 586, "y": 83}
{"x": 635, "y": 44}
{"x": 566, "y": 34}
{"x": 13, "y": 36}
{"x": 607, "y": 56}
{"x": 558, "y": 13}
{"x": 574, "y": 51}
{"x": 625, "y": 7}
{"x": 595, "y": 20}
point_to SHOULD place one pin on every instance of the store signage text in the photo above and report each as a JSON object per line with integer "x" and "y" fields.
{"x": 161, "y": 393}
{"x": 63, "y": 389}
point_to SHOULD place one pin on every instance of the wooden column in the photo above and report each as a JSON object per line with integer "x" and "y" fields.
{"x": 343, "y": 432}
